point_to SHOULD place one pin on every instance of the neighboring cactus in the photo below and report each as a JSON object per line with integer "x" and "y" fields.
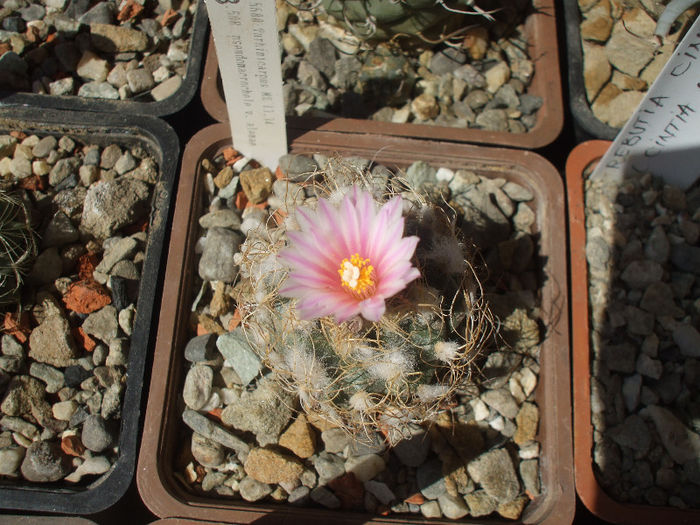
{"x": 17, "y": 244}
{"x": 386, "y": 374}
{"x": 384, "y": 19}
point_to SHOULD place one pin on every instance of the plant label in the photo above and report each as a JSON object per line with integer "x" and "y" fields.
{"x": 663, "y": 135}
{"x": 247, "y": 46}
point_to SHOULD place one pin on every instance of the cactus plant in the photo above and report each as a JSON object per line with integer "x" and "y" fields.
{"x": 383, "y": 20}
{"x": 17, "y": 244}
{"x": 407, "y": 335}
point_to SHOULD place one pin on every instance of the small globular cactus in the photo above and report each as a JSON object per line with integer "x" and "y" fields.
{"x": 383, "y": 20}
{"x": 363, "y": 302}
{"x": 17, "y": 244}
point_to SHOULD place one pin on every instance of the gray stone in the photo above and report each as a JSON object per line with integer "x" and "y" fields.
{"x": 620, "y": 358}
{"x": 100, "y": 13}
{"x": 321, "y": 55}
{"x": 657, "y": 247}
{"x": 140, "y": 80}
{"x": 51, "y": 342}
{"x": 236, "y": 349}
{"x": 44, "y": 147}
{"x": 335, "y": 440}
{"x": 297, "y": 168}
{"x": 640, "y": 274}
{"x": 649, "y": 367}
{"x": 64, "y": 410}
{"x": 98, "y": 90}
{"x": 216, "y": 263}
{"x": 102, "y": 324}
{"x": 505, "y": 97}
{"x": 480, "y": 503}
{"x": 631, "y": 391}
{"x": 207, "y": 452}
{"x": 632, "y": 433}
{"x": 365, "y": 467}
{"x": 687, "y": 338}
{"x": 45, "y": 462}
{"x": 92, "y": 68}
{"x": 430, "y": 479}
{"x": 47, "y": 267}
{"x": 110, "y": 155}
{"x": 49, "y": 375}
{"x": 197, "y": 389}
{"x": 494, "y": 471}
{"x": 264, "y": 412}
{"x": 325, "y": 498}
{"x": 447, "y": 61}
{"x": 207, "y": 428}
{"x": 299, "y": 496}
{"x": 62, "y": 86}
{"x": 226, "y": 218}
{"x": 117, "y": 39}
{"x": 10, "y": 460}
{"x": 123, "y": 248}
{"x": 658, "y": 299}
{"x": 201, "y": 348}
{"x": 502, "y": 401}
{"x": 453, "y": 507}
{"x": 686, "y": 258}
{"x": 19, "y": 425}
{"x": 471, "y": 76}
{"x": 413, "y": 450}
{"x": 95, "y": 434}
{"x": 329, "y": 466}
{"x": 431, "y": 509}
{"x": 252, "y": 490}
{"x": 530, "y": 474}
{"x": 21, "y": 167}
{"x": 680, "y": 442}
{"x": 381, "y": 491}
{"x": 529, "y": 104}
{"x": 167, "y": 88}
{"x": 493, "y": 120}
{"x": 125, "y": 163}
{"x": 419, "y": 173}
{"x": 111, "y": 205}
{"x": 59, "y": 231}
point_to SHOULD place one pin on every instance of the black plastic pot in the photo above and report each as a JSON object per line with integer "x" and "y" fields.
{"x": 160, "y": 141}
{"x": 587, "y": 126}
{"x": 161, "y": 108}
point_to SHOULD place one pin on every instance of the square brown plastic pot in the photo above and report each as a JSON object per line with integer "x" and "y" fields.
{"x": 541, "y": 30}
{"x": 160, "y": 108}
{"x": 587, "y": 486}
{"x": 157, "y": 483}
{"x": 160, "y": 141}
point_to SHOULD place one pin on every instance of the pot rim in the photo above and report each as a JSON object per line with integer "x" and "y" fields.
{"x": 589, "y": 490}
{"x": 168, "y": 499}
{"x": 546, "y": 83}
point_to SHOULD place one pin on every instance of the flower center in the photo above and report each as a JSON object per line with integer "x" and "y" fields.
{"x": 357, "y": 276}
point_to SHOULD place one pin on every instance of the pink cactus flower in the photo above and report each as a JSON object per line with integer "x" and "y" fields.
{"x": 347, "y": 260}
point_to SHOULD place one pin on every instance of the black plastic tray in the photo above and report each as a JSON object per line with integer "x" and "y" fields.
{"x": 159, "y": 139}
{"x": 587, "y": 126}
{"x": 161, "y": 108}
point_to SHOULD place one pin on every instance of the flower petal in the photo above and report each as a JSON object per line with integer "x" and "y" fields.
{"x": 373, "y": 308}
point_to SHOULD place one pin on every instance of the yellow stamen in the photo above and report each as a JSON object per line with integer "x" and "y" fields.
{"x": 357, "y": 276}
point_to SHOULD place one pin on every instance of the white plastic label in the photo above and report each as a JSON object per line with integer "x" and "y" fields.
{"x": 663, "y": 136}
{"x": 247, "y": 46}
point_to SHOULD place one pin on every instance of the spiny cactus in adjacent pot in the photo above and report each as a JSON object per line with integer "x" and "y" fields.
{"x": 17, "y": 244}
{"x": 363, "y": 301}
{"x": 382, "y": 20}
